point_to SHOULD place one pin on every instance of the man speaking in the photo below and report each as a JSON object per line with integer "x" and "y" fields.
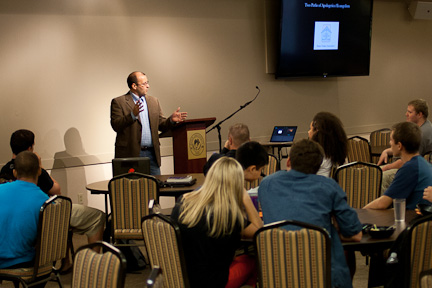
{"x": 137, "y": 119}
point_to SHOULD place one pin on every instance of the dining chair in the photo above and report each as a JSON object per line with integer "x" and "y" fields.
{"x": 420, "y": 249}
{"x": 428, "y": 156}
{"x": 50, "y": 246}
{"x": 413, "y": 250}
{"x": 379, "y": 138}
{"x": 130, "y": 195}
{"x": 272, "y": 166}
{"x": 164, "y": 249}
{"x": 155, "y": 278}
{"x": 300, "y": 258}
{"x": 99, "y": 270}
{"x": 359, "y": 149}
{"x": 361, "y": 182}
{"x": 426, "y": 279}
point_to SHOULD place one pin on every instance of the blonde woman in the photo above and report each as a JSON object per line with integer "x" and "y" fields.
{"x": 211, "y": 222}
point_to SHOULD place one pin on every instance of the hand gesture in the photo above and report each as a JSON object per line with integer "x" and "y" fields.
{"x": 427, "y": 194}
{"x": 137, "y": 108}
{"x": 178, "y": 116}
{"x": 227, "y": 144}
{"x": 383, "y": 158}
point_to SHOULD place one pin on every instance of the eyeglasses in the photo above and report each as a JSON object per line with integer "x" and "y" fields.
{"x": 143, "y": 84}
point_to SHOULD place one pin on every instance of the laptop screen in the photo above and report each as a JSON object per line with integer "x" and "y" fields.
{"x": 283, "y": 134}
{"x": 128, "y": 165}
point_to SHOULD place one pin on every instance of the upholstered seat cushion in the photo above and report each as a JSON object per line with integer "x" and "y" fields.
{"x": 27, "y": 273}
{"x": 128, "y": 234}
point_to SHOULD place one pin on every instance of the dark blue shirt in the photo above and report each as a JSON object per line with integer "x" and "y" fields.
{"x": 410, "y": 181}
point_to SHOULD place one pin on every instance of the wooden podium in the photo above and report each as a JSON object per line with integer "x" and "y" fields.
{"x": 190, "y": 146}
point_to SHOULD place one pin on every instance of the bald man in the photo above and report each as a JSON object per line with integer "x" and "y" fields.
{"x": 137, "y": 119}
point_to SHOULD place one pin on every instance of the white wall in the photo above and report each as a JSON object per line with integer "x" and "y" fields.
{"x": 62, "y": 63}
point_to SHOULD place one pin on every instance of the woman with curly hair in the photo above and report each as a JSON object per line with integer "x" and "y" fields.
{"x": 328, "y": 131}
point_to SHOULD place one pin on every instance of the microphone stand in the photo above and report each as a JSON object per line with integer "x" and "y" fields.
{"x": 218, "y": 125}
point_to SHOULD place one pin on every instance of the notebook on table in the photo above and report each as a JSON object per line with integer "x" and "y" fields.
{"x": 282, "y": 134}
{"x": 182, "y": 181}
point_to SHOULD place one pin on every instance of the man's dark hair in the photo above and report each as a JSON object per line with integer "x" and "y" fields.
{"x": 132, "y": 78}
{"x": 306, "y": 156}
{"x": 21, "y": 140}
{"x": 26, "y": 165}
{"x": 252, "y": 153}
{"x": 408, "y": 134}
{"x": 420, "y": 105}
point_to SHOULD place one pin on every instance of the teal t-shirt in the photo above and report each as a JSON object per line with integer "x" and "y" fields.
{"x": 20, "y": 203}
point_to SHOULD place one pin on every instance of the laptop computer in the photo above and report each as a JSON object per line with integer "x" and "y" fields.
{"x": 283, "y": 134}
{"x": 128, "y": 165}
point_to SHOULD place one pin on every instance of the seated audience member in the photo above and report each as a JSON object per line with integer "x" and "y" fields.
{"x": 299, "y": 194}
{"x": 211, "y": 222}
{"x": 415, "y": 174}
{"x": 20, "y": 202}
{"x": 252, "y": 157}
{"x": 417, "y": 113}
{"x": 84, "y": 220}
{"x": 328, "y": 131}
{"x": 427, "y": 194}
{"x": 237, "y": 135}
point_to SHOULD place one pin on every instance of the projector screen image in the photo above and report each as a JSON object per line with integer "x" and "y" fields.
{"x": 324, "y": 38}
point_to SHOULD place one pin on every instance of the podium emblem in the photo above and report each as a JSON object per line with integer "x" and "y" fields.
{"x": 196, "y": 144}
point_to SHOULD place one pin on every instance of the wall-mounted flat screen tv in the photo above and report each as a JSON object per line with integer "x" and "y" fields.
{"x": 324, "y": 38}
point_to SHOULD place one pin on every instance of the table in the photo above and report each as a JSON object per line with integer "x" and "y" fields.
{"x": 279, "y": 146}
{"x": 101, "y": 187}
{"x": 383, "y": 217}
{"x": 375, "y": 247}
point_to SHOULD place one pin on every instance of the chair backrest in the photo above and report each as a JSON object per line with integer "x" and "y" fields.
{"x": 268, "y": 169}
{"x": 99, "y": 270}
{"x": 164, "y": 249}
{"x": 155, "y": 278}
{"x": 333, "y": 170}
{"x": 428, "y": 156}
{"x": 129, "y": 198}
{"x": 51, "y": 244}
{"x": 358, "y": 149}
{"x": 379, "y": 138}
{"x": 421, "y": 250}
{"x": 361, "y": 182}
{"x": 300, "y": 258}
{"x": 53, "y": 229}
{"x": 426, "y": 279}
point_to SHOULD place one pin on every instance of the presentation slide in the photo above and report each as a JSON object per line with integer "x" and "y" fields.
{"x": 326, "y": 35}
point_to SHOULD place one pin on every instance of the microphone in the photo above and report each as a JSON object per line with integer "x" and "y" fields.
{"x": 247, "y": 103}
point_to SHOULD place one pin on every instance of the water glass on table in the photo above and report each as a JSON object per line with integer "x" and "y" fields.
{"x": 399, "y": 209}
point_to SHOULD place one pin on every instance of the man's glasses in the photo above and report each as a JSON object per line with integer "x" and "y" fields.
{"x": 143, "y": 84}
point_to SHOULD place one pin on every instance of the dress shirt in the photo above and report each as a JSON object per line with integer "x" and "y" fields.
{"x": 146, "y": 138}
